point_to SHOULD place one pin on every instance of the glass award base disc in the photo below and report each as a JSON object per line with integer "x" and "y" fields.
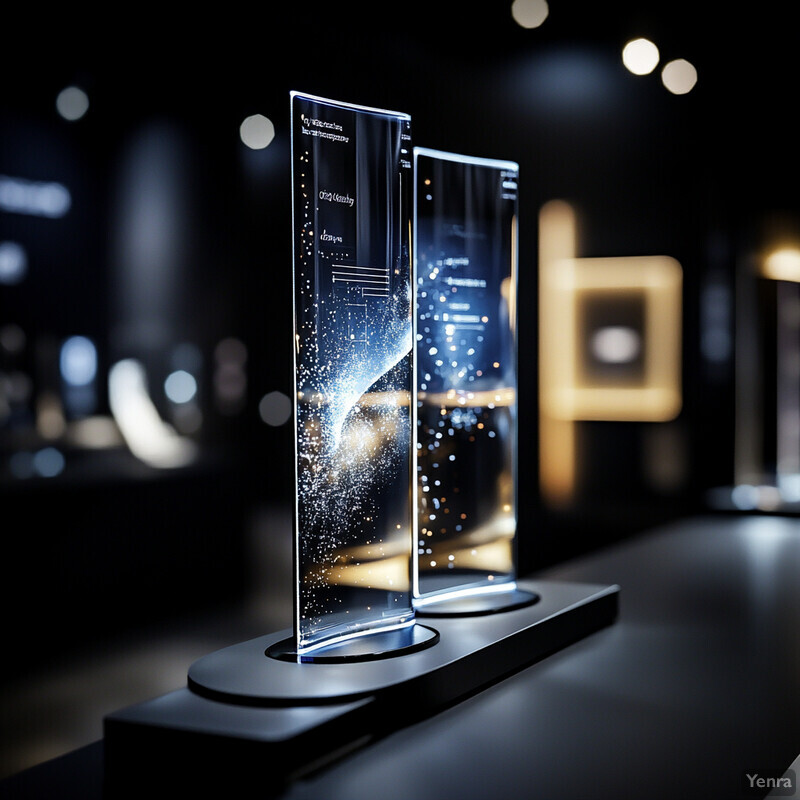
{"x": 369, "y": 647}
{"x": 477, "y": 604}
{"x": 266, "y": 672}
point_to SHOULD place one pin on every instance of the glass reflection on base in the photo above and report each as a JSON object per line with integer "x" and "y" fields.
{"x": 370, "y": 646}
{"x": 475, "y": 602}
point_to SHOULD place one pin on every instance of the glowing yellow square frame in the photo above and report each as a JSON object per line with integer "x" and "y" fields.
{"x": 566, "y": 392}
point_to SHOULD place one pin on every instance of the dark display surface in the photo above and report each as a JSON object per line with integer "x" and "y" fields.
{"x": 694, "y": 684}
{"x": 466, "y": 371}
{"x": 352, "y": 368}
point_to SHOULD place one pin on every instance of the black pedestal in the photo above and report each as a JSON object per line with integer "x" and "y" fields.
{"x": 243, "y": 709}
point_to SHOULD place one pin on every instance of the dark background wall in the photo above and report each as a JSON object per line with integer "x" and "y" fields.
{"x": 109, "y": 542}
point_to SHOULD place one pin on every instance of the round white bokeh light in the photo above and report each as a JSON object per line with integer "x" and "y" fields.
{"x": 679, "y": 76}
{"x": 257, "y": 131}
{"x": 72, "y": 103}
{"x": 640, "y": 56}
{"x": 275, "y": 408}
{"x": 616, "y": 344}
{"x": 529, "y": 13}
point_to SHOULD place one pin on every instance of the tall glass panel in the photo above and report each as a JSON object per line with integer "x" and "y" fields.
{"x": 465, "y": 256}
{"x": 351, "y": 178}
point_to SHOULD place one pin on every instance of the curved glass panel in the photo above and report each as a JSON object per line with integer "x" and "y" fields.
{"x": 465, "y": 257}
{"x": 351, "y": 180}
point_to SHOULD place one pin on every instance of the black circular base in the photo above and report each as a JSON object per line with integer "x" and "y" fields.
{"x": 369, "y": 647}
{"x": 269, "y": 671}
{"x": 266, "y": 672}
{"x": 477, "y": 604}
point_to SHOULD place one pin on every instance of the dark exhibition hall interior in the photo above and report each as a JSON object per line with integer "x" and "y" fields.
{"x": 147, "y": 373}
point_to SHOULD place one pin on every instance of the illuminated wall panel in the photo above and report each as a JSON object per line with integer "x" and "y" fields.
{"x": 351, "y": 177}
{"x": 620, "y": 345}
{"x": 466, "y": 371}
{"x": 609, "y": 343}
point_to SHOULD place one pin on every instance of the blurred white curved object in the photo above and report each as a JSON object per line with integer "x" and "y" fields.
{"x": 149, "y": 438}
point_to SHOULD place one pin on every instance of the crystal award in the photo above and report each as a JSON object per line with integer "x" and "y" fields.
{"x": 355, "y": 416}
{"x": 351, "y": 181}
{"x": 465, "y": 275}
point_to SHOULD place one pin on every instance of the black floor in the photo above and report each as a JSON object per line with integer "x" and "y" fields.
{"x": 59, "y": 706}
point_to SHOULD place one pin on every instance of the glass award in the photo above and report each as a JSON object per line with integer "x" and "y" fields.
{"x": 351, "y": 188}
{"x": 465, "y": 275}
{"x": 356, "y": 514}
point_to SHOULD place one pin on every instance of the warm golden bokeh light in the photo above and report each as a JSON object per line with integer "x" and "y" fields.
{"x": 558, "y": 237}
{"x": 783, "y": 264}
